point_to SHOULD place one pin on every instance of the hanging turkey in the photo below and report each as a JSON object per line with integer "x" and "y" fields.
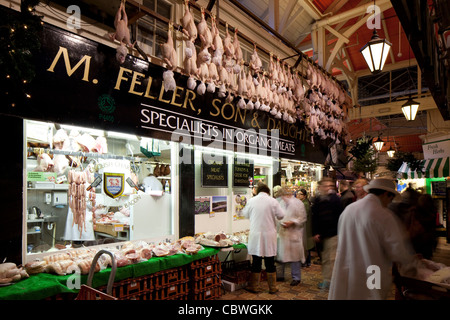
{"x": 170, "y": 58}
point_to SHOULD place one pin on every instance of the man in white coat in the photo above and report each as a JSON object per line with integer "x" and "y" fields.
{"x": 290, "y": 236}
{"x": 263, "y": 211}
{"x": 370, "y": 239}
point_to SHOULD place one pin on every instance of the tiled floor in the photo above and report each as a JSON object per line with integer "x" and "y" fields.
{"x": 306, "y": 290}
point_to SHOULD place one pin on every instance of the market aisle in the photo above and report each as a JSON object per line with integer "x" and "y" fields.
{"x": 306, "y": 290}
{"x": 311, "y": 277}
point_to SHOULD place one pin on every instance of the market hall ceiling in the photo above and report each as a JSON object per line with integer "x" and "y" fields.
{"x": 336, "y": 28}
{"x": 296, "y": 20}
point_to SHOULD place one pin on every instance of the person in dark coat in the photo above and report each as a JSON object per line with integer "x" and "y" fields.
{"x": 326, "y": 210}
{"x": 347, "y": 195}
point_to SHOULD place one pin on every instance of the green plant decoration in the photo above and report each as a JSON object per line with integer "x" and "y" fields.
{"x": 400, "y": 157}
{"x": 20, "y": 41}
{"x": 364, "y": 156}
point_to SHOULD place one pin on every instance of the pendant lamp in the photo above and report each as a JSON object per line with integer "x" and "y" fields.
{"x": 410, "y": 109}
{"x": 375, "y": 52}
{"x": 390, "y": 152}
{"x": 378, "y": 144}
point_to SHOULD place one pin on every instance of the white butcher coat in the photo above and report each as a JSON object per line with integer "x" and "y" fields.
{"x": 263, "y": 211}
{"x": 72, "y": 233}
{"x": 368, "y": 235}
{"x": 290, "y": 240}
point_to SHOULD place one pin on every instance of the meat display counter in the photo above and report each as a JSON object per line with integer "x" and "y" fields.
{"x": 44, "y": 285}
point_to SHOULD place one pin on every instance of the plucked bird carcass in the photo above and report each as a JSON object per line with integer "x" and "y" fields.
{"x": 189, "y": 28}
{"x": 171, "y": 59}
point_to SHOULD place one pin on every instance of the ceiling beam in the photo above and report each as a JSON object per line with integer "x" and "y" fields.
{"x": 343, "y": 38}
{"x": 274, "y": 14}
{"x": 335, "y": 6}
{"x": 287, "y": 14}
{"x": 352, "y": 13}
{"x": 312, "y": 10}
{"x": 299, "y": 11}
{"x": 386, "y": 109}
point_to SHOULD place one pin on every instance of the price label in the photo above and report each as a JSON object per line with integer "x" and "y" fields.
{"x": 118, "y": 227}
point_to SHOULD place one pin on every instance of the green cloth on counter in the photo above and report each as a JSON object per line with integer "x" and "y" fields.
{"x": 44, "y": 285}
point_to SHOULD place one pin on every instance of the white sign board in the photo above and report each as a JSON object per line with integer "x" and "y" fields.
{"x": 436, "y": 149}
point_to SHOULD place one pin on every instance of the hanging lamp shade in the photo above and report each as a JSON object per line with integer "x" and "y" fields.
{"x": 375, "y": 52}
{"x": 390, "y": 152}
{"x": 378, "y": 144}
{"x": 410, "y": 109}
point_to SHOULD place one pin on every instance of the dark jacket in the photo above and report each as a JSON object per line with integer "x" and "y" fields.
{"x": 326, "y": 211}
{"x": 347, "y": 197}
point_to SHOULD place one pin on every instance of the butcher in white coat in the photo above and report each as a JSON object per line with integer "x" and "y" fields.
{"x": 263, "y": 212}
{"x": 290, "y": 236}
{"x": 370, "y": 239}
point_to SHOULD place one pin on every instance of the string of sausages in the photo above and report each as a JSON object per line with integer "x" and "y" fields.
{"x": 77, "y": 198}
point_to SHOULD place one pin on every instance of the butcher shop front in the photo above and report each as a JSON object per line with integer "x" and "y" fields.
{"x": 112, "y": 159}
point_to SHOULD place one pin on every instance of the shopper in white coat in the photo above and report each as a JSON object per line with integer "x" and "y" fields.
{"x": 370, "y": 240}
{"x": 263, "y": 212}
{"x": 290, "y": 236}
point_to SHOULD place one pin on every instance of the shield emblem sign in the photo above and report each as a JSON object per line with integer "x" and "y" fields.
{"x": 113, "y": 184}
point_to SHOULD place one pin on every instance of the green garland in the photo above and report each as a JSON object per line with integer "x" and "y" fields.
{"x": 19, "y": 42}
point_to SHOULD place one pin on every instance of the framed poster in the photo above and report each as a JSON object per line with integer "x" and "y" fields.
{"x": 219, "y": 204}
{"x": 239, "y": 202}
{"x": 202, "y": 205}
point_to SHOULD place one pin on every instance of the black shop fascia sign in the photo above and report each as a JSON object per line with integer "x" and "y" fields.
{"x": 80, "y": 82}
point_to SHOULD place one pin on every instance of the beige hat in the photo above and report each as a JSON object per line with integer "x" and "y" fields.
{"x": 383, "y": 184}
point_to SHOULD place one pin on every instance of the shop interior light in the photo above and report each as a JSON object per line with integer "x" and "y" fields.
{"x": 378, "y": 144}
{"x": 410, "y": 109}
{"x": 390, "y": 152}
{"x": 375, "y": 52}
{"x": 120, "y": 135}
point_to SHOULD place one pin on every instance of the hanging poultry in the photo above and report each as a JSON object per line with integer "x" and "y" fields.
{"x": 189, "y": 28}
{"x": 204, "y": 32}
{"x": 171, "y": 59}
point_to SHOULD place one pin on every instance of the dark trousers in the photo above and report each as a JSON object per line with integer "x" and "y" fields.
{"x": 269, "y": 262}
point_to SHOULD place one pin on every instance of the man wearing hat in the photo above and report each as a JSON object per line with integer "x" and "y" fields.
{"x": 370, "y": 239}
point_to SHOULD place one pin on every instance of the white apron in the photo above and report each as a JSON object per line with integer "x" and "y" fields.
{"x": 290, "y": 240}
{"x": 263, "y": 211}
{"x": 73, "y": 234}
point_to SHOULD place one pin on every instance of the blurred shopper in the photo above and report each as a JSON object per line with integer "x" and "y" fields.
{"x": 371, "y": 238}
{"x": 358, "y": 187}
{"x": 308, "y": 241}
{"x": 326, "y": 210}
{"x": 263, "y": 211}
{"x": 418, "y": 215}
{"x": 347, "y": 195}
{"x": 290, "y": 245}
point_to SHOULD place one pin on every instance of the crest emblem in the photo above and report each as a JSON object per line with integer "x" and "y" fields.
{"x": 113, "y": 184}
